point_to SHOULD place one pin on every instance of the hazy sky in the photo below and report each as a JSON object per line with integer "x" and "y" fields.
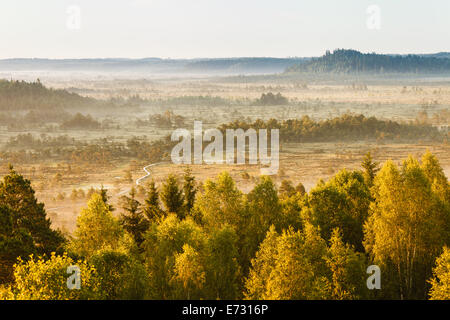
{"x": 219, "y": 28}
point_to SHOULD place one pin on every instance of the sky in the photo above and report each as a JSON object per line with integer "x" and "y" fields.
{"x": 219, "y": 28}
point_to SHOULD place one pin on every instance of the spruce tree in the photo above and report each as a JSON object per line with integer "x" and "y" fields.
{"x": 172, "y": 196}
{"x": 132, "y": 218}
{"x": 370, "y": 169}
{"x": 189, "y": 191}
{"x": 24, "y": 226}
{"x": 105, "y": 197}
{"x": 151, "y": 208}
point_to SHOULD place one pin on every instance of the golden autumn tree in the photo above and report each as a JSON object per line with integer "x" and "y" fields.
{"x": 406, "y": 229}
{"x": 46, "y": 279}
{"x": 97, "y": 229}
{"x": 440, "y": 283}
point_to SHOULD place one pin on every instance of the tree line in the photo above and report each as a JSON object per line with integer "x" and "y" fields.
{"x": 352, "y": 61}
{"x": 191, "y": 240}
{"x": 26, "y": 148}
{"x": 18, "y": 95}
{"x": 347, "y": 127}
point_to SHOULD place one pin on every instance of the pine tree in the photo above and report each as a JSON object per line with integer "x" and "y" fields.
{"x": 172, "y": 196}
{"x": 14, "y": 243}
{"x": 189, "y": 191}
{"x": 370, "y": 169}
{"x": 104, "y": 194}
{"x": 132, "y": 218}
{"x": 151, "y": 207}
{"x": 26, "y": 214}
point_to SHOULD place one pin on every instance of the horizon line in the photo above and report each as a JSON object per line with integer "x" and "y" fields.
{"x": 212, "y": 58}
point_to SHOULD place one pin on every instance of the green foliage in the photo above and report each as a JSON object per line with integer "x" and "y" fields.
{"x": 189, "y": 191}
{"x": 263, "y": 210}
{"x": 25, "y": 228}
{"x": 221, "y": 203}
{"x": 14, "y": 243}
{"x": 132, "y": 219}
{"x": 289, "y": 266}
{"x": 348, "y": 270}
{"x": 162, "y": 242}
{"x": 105, "y": 197}
{"x": 291, "y": 208}
{"x": 222, "y": 267}
{"x": 261, "y": 245}
{"x": 151, "y": 208}
{"x": 121, "y": 276}
{"x": 370, "y": 169}
{"x": 342, "y": 202}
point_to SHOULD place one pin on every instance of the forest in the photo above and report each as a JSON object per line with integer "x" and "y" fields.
{"x": 352, "y": 61}
{"x": 220, "y": 231}
{"x": 210, "y": 240}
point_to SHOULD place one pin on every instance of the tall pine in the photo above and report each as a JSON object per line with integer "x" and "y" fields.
{"x": 151, "y": 207}
{"x": 132, "y": 218}
{"x": 172, "y": 196}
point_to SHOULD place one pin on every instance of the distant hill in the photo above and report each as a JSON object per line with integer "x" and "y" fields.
{"x": 352, "y": 61}
{"x": 226, "y": 66}
{"x": 436, "y": 55}
{"x": 20, "y": 95}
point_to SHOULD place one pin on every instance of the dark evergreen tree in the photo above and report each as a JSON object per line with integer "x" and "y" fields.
{"x": 370, "y": 169}
{"x": 172, "y": 196}
{"x": 189, "y": 191}
{"x": 132, "y": 219}
{"x": 104, "y": 194}
{"x": 24, "y": 226}
{"x": 151, "y": 209}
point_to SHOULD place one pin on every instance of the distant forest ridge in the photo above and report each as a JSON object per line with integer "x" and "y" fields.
{"x": 340, "y": 61}
{"x": 21, "y": 95}
{"x": 352, "y": 61}
{"x": 252, "y": 65}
